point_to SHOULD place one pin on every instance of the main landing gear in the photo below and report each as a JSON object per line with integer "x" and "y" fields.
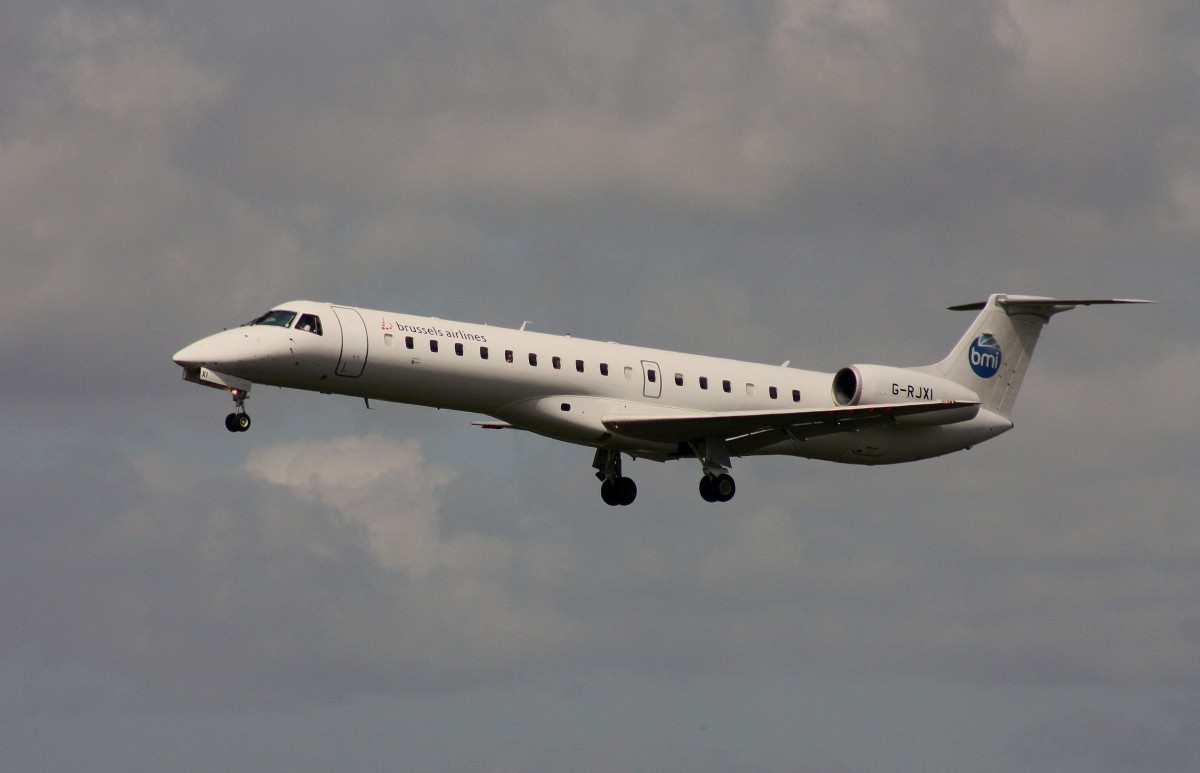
{"x": 239, "y": 420}
{"x": 614, "y": 488}
{"x": 717, "y": 488}
{"x": 717, "y": 484}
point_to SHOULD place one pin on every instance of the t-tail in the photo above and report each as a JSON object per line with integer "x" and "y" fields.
{"x": 993, "y": 355}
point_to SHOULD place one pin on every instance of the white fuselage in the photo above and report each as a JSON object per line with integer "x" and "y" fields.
{"x": 557, "y": 386}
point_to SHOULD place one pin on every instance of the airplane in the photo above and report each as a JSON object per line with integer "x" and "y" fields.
{"x": 640, "y": 402}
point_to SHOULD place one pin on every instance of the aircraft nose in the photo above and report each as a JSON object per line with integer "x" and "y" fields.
{"x": 212, "y": 351}
{"x": 190, "y": 356}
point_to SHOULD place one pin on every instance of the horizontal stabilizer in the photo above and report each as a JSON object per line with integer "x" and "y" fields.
{"x": 1033, "y": 300}
{"x": 681, "y": 428}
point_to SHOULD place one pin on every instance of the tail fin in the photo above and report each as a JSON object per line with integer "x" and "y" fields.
{"x": 993, "y": 355}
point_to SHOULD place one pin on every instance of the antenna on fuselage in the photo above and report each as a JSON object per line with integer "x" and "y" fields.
{"x": 523, "y": 324}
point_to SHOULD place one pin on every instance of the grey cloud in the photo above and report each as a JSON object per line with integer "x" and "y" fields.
{"x": 160, "y": 589}
{"x": 1102, "y": 741}
{"x": 307, "y": 148}
{"x": 193, "y": 589}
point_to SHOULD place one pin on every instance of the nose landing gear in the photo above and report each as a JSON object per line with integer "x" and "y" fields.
{"x": 239, "y": 420}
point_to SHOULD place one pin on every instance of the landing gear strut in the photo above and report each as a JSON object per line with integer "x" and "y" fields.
{"x": 239, "y": 420}
{"x": 614, "y": 489}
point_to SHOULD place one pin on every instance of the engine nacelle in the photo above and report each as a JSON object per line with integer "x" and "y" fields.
{"x": 881, "y": 384}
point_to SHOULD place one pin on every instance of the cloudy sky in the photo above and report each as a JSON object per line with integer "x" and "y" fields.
{"x": 393, "y": 589}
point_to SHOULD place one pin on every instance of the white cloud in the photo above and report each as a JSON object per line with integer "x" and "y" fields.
{"x": 386, "y": 485}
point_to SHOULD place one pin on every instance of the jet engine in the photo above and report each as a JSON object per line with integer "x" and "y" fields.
{"x": 881, "y": 384}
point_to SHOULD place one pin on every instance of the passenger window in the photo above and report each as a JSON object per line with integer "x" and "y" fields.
{"x": 725, "y": 385}
{"x": 483, "y": 353}
{"x": 309, "y": 323}
{"x": 433, "y": 344}
{"x": 750, "y": 390}
{"x": 629, "y": 372}
{"x": 795, "y": 395}
{"x": 408, "y": 342}
{"x": 604, "y": 369}
{"x": 508, "y": 356}
{"x": 678, "y": 379}
{"x": 773, "y": 392}
{"x": 651, "y": 376}
{"x": 556, "y": 362}
{"x": 704, "y": 382}
{"x": 533, "y": 359}
{"x": 387, "y": 340}
{"x": 579, "y": 365}
{"x": 458, "y": 349}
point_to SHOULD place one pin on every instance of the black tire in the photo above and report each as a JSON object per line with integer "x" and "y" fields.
{"x": 724, "y": 488}
{"x": 243, "y": 421}
{"x": 626, "y": 491}
{"x": 608, "y": 492}
{"x": 708, "y": 489}
{"x": 231, "y": 423}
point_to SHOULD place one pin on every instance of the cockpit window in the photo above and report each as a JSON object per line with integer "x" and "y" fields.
{"x": 310, "y": 323}
{"x": 277, "y": 317}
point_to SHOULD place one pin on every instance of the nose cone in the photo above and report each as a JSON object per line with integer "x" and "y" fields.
{"x": 203, "y": 352}
{"x": 222, "y": 351}
{"x": 188, "y": 356}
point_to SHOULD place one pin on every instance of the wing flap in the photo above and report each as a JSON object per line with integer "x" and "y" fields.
{"x": 798, "y": 424}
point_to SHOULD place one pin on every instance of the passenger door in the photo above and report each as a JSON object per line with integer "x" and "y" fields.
{"x": 651, "y": 379}
{"x": 354, "y": 342}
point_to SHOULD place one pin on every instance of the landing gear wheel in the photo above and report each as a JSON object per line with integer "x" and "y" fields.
{"x": 237, "y": 422}
{"x": 724, "y": 487}
{"x": 718, "y": 489}
{"x": 621, "y": 491}
{"x": 626, "y": 491}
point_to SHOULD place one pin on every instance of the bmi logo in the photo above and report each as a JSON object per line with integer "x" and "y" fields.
{"x": 985, "y": 355}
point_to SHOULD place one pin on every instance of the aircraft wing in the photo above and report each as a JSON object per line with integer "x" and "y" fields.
{"x": 493, "y": 425}
{"x": 746, "y": 430}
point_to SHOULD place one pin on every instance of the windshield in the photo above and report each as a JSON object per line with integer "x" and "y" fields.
{"x": 276, "y": 317}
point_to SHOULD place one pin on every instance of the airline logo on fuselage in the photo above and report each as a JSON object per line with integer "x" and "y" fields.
{"x": 984, "y": 356}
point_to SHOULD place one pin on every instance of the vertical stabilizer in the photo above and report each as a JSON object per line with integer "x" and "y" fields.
{"x": 994, "y": 353}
